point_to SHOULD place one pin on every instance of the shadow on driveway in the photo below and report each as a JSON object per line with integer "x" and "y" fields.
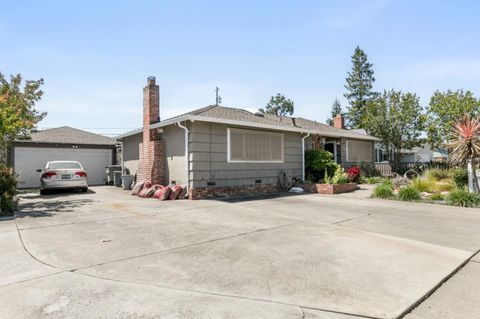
{"x": 49, "y": 208}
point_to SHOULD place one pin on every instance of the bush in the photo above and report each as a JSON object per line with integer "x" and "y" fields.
{"x": 437, "y": 174}
{"x": 8, "y": 190}
{"x": 399, "y": 181}
{"x": 422, "y": 185}
{"x": 340, "y": 177}
{"x": 317, "y": 163}
{"x": 460, "y": 177}
{"x": 437, "y": 196}
{"x": 374, "y": 180}
{"x": 461, "y": 197}
{"x": 383, "y": 190}
{"x": 409, "y": 193}
{"x": 354, "y": 174}
{"x": 369, "y": 170}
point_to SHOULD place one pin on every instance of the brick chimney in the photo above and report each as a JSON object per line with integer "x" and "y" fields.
{"x": 339, "y": 121}
{"x": 152, "y": 149}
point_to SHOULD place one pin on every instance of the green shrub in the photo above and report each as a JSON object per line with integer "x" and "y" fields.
{"x": 408, "y": 193}
{"x": 340, "y": 177}
{"x": 383, "y": 190}
{"x": 437, "y": 174}
{"x": 363, "y": 180}
{"x": 422, "y": 185}
{"x": 374, "y": 180}
{"x": 460, "y": 177}
{"x": 437, "y": 196}
{"x": 387, "y": 182}
{"x": 8, "y": 190}
{"x": 369, "y": 170}
{"x": 461, "y": 197}
{"x": 319, "y": 162}
{"x": 431, "y": 185}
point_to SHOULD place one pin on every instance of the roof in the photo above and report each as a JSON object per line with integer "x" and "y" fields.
{"x": 241, "y": 117}
{"x": 68, "y": 135}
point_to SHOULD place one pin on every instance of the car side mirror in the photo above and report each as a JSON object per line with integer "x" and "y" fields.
{"x": 39, "y": 170}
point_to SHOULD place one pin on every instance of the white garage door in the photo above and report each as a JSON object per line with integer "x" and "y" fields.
{"x": 29, "y": 159}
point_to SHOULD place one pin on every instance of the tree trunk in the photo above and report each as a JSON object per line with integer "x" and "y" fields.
{"x": 472, "y": 178}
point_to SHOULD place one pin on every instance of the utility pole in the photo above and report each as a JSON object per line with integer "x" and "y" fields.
{"x": 218, "y": 98}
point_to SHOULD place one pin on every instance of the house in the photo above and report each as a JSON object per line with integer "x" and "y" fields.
{"x": 94, "y": 151}
{"x": 218, "y": 151}
{"x": 418, "y": 154}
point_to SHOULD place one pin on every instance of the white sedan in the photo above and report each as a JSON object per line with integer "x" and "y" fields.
{"x": 63, "y": 175}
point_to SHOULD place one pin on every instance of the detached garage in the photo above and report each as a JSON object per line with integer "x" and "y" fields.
{"x": 94, "y": 151}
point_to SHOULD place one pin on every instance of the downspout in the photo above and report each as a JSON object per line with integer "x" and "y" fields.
{"x": 303, "y": 155}
{"x": 187, "y": 159}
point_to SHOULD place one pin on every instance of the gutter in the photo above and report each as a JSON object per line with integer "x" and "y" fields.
{"x": 187, "y": 157}
{"x": 303, "y": 155}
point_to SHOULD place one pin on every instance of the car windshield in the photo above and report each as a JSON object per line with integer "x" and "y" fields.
{"x": 64, "y": 165}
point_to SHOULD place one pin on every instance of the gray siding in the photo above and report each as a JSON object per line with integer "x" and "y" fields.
{"x": 130, "y": 152}
{"x": 174, "y": 137}
{"x": 208, "y": 159}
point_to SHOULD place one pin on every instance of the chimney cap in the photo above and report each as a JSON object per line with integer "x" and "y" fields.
{"x": 151, "y": 79}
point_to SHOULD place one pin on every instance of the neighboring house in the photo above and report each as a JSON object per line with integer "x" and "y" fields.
{"x": 419, "y": 154}
{"x": 230, "y": 151}
{"x": 63, "y": 143}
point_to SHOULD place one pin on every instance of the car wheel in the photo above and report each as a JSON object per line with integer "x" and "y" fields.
{"x": 85, "y": 189}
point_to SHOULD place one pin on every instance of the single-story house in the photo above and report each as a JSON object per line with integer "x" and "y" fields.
{"x": 218, "y": 150}
{"x": 93, "y": 151}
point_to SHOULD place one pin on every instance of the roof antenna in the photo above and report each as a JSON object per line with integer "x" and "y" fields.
{"x": 218, "y": 98}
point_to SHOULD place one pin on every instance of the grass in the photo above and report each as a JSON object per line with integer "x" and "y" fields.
{"x": 463, "y": 198}
{"x": 383, "y": 190}
{"x": 409, "y": 193}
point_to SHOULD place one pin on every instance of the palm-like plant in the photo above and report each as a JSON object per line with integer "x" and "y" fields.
{"x": 464, "y": 147}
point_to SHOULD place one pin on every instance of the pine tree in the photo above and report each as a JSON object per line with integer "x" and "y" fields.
{"x": 279, "y": 105}
{"x": 336, "y": 109}
{"x": 359, "y": 87}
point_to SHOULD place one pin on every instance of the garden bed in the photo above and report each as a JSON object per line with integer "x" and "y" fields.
{"x": 331, "y": 188}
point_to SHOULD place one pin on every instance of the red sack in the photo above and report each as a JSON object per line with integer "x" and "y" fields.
{"x": 164, "y": 192}
{"x": 183, "y": 193}
{"x": 137, "y": 188}
{"x": 144, "y": 192}
{"x": 176, "y": 189}
{"x": 158, "y": 191}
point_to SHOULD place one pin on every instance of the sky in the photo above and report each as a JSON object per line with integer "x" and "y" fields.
{"x": 95, "y": 56}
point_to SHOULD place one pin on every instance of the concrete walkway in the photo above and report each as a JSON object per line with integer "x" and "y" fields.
{"x": 106, "y": 254}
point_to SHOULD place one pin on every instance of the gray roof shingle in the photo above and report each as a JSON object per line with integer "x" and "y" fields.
{"x": 69, "y": 135}
{"x": 270, "y": 119}
{"x": 244, "y": 116}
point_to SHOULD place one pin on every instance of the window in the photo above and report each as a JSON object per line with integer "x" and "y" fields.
{"x": 254, "y": 146}
{"x": 359, "y": 151}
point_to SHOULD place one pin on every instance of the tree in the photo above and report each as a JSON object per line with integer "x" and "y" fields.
{"x": 445, "y": 109}
{"x": 279, "y": 105}
{"x": 464, "y": 147}
{"x": 336, "y": 109}
{"x": 359, "y": 88}
{"x": 18, "y": 117}
{"x": 397, "y": 119}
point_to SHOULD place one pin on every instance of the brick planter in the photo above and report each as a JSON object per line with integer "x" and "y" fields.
{"x": 332, "y": 188}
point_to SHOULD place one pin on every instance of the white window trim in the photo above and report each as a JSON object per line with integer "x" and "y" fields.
{"x": 229, "y": 160}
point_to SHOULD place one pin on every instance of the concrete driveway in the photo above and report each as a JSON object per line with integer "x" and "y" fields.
{"x": 106, "y": 254}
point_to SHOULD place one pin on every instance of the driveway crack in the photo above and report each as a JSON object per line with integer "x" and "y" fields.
{"x": 186, "y": 246}
{"x": 437, "y": 286}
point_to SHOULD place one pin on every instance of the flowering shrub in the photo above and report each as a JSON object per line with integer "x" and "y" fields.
{"x": 354, "y": 174}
